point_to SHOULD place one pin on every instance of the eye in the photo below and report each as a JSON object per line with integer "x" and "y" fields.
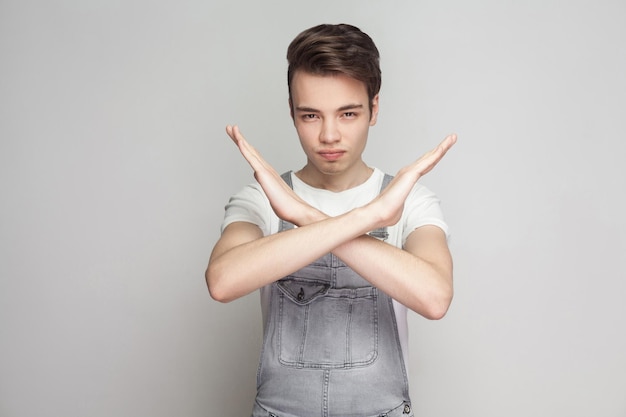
{"x": 349, "y": 115}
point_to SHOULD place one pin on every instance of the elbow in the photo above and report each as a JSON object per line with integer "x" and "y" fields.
{"x": 219, "y": 295}
{"x": 436, "y": 312}
{"x": 439, "y": 305}
{"x": 217, "y": 290}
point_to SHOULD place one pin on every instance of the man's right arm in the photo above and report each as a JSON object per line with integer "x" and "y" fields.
{"x": 235, "y": 234}
{"x": 244, "y": 260}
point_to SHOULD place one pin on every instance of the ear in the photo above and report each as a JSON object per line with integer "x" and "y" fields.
{"x": 374, "y": 115}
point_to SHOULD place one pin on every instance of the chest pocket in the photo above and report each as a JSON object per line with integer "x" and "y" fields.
{"x": 326, "y": 328}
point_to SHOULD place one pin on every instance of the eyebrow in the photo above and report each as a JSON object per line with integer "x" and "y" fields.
{"x": 306, "y": 109}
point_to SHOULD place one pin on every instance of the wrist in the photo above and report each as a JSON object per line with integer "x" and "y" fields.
{"x": 309, "y": 215}
{"x": 365, "y": 219}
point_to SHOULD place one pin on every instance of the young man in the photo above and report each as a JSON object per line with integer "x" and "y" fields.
{"x": 338, "y": 249}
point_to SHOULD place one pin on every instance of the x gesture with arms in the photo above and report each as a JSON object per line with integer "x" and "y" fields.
{"x": 419, "y": 276}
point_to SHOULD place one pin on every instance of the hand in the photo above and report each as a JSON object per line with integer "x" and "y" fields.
{"x": 285, "y": 203}
{"x": 389, "y": 204}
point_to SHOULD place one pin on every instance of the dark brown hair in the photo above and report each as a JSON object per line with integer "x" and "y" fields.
{"x": 336, "y": 49}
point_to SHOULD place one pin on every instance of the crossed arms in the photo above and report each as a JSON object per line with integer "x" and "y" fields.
{"x": 419, "y": 275}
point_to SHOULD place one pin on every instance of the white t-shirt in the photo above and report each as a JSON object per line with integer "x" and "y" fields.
{"x": 421, "y": 208}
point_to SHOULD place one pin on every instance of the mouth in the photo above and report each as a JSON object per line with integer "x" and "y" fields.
{"x": 331, "y": 154}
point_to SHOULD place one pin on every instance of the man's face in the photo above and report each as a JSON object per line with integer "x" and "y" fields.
{"x": 332, "y": 116}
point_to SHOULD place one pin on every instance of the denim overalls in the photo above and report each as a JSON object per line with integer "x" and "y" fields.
{"x": 331, "y": 345}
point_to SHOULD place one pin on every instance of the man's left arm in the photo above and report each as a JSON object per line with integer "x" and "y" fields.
{"x": 418, "y": 276}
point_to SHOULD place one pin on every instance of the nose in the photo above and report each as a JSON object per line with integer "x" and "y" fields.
{"x": 330, "y": 132}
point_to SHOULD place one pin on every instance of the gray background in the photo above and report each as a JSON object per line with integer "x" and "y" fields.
{"x": 115, "y": 169}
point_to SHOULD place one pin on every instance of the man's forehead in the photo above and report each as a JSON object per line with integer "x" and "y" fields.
{"x": 334, "y": 90}
{"x": 301, "y": 76}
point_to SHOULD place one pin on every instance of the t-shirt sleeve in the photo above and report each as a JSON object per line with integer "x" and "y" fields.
{"x": 249, "y": 205}
{"x": 422, "y": 208}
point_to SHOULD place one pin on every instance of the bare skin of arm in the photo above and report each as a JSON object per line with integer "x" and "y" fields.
{"x": 418, "y": 276}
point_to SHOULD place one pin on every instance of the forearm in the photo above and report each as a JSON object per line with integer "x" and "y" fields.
{"x": 424, "y": 286}
{"x": 409, "y": 279}
{"x": 251, "y": 265}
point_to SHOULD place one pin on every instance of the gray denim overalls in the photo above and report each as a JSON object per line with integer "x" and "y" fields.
{"x": 331, "y": 345}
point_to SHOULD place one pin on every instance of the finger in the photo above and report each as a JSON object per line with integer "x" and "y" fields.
{"x": 229, "y": 132}
{"x": 248, "y": 151}
{"x": 234, "y": 133}
{"x": 448, "y": 142}
{"x": 428, "y": 161}
{"x": 252, "y": 156}
{"x": 443, "y": 147}
{"x": 237, "y": 137}
{"x": 244, "y": 146}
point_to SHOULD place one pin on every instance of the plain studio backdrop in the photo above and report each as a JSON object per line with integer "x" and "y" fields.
{"x": 115, "y": 169}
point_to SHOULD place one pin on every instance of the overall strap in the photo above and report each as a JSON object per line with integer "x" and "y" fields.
{"x": 381, "y": 232}
{"x": 285, "y": 225}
